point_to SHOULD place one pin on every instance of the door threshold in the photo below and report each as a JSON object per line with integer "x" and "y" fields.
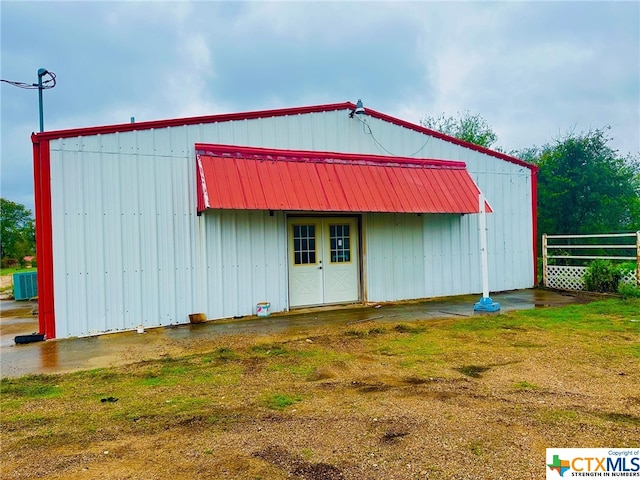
{"x": 327, "y": 306}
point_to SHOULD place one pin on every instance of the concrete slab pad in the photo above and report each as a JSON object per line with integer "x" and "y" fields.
{"x": 65, "y": 355}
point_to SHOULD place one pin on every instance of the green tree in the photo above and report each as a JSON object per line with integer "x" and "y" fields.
{"x": 466, "y": 126}
{"x": 584, "y": 186}
{"x": 17, "y": 232}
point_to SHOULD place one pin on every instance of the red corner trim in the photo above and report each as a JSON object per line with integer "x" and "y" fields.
{"x": 44, "y": 237}
{"x": 534, "y": 220}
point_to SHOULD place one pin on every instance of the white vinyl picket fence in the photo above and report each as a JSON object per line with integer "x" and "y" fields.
{"x": 564, "y": 262}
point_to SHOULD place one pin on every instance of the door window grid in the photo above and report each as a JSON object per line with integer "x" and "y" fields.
{"x": 340, "y": 243}
{"x": 304, "y": 244}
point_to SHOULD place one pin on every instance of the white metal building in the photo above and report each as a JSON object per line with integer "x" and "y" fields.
{"x": 146, "y": 223}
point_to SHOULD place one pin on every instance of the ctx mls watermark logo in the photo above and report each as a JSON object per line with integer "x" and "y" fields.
{"x": 593, "y": 462}
{"x": 560, "y": 466}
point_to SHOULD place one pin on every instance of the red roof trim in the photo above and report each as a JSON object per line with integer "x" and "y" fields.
{"x": 247, "y": 178}
{"x": 178, "y": 122}
{"x": 266, "y": 154}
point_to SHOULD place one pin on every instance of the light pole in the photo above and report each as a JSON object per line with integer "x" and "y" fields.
{"x": 41, "y": 73}
{"x": 49, "y": 83}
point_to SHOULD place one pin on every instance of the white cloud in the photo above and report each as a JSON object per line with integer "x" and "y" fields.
{"x": 532, "y": 69}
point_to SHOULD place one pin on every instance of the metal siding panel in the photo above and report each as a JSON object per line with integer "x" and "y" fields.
{"x": 148, "y": 248}
{"x": 451, "y": 255}
{"x": 376, "y": 262}
{"x": 269, "y": 132}
{"x": 225, "y": 132}
{"x": 166, "y": 265}
{"x": 112, "y": 234}
{"x": 507, "y": 186}
{"x": 395, "y": 258}
{"x": 160, "y": 144}
{"x": 128, "y": 274}
{"x": 58, "y": 235}
{"x": 251, "y": 249}
{"x": 178, "y": 138}
{"x": 254, "y": 132}
{"x": 281, "y": 136}
{"x": 94, "y": 241}
{"x": 91, "y": 144}
{"x": 231, "y": 302}
{"x": 214, "y": 298}
{"x": 243, "y": 261}
{"x": 128, "y": 186}
{"x": 184, "y": 236}
{"x": 126, "y": 144}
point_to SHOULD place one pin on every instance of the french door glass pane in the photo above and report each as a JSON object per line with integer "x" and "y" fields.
{"x": 340, "y": 244}
{"x": 304, "y": 244}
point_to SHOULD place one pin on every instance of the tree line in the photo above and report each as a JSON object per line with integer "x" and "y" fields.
{"x": 17, "y": 233}
{"x": 584, "y": 185}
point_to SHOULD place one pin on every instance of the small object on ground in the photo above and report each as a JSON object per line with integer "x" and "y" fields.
{"x": 262, "y": 309}
{"x": 197, "y": 318}
{"x": 34, "y": 337}
{"x": 109, "y": 399}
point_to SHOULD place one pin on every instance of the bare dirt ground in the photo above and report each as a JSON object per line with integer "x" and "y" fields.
{"x": 367, "y": 401}
{"x": 5, "y": 282}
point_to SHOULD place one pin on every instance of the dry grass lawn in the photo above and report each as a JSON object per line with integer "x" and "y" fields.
{"x": 477, "y": 398}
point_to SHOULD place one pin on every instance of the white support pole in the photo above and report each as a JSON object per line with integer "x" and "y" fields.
{"x": 483, "y": 248}
{"x": 545, "y": 261}
{"x": 486, "y": 304}
{"x": 638, "y": 258}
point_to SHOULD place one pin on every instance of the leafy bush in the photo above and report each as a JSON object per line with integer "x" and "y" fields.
{"x": 628, "y": 266}
{"x": 629, "y": 291}
{"x": 8, "y": 262}
{"x": 602, "y": 276}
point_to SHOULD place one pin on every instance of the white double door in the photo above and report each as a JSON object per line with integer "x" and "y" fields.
{"x": 323, "y": 260}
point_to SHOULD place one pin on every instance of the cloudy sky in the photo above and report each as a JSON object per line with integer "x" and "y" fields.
{"x": 534, "y": 70}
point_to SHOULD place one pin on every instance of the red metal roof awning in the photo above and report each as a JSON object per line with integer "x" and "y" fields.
{"x": 243, "y": 178}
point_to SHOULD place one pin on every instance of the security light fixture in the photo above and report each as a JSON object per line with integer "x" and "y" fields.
{"x": 358, "y": 110}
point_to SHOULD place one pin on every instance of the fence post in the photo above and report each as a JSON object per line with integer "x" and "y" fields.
{"x": 544, "y": 259}
{"x": 638, "y": 258}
